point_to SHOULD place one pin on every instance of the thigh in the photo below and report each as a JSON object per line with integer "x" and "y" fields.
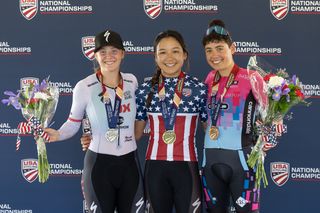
{"x": 216, "y": 190}
{"x": 128, "y": 189}
{"x": 94, "y": 187}
{"x": 159, "y": 193}
{"x": 245, "y": 196}
{"x": 187, "y": 187}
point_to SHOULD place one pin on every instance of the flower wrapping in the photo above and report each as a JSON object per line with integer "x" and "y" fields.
{"x": 283, "y": 93}
{"x": 38, "y": 103}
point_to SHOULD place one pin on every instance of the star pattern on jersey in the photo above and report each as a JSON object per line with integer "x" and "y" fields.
{"x": 193, "y": 103}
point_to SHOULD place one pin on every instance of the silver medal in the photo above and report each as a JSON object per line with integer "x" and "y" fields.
{"x": 112, "y": 135}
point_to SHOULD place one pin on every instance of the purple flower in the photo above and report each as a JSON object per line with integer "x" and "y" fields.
{"x": 294, "y": 80}
{"x": 277, "y": 94}
{"x": 13, "y": 100}
{"x": 41, "y": 87}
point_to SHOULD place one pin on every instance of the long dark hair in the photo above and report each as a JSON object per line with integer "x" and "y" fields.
{"x": 155, "y": 78}
{"x": 213, "y": 36}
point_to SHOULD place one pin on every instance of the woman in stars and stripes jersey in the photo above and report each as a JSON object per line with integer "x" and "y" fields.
{"x": 234, "y": 94}
{"x": 171, "y": 102}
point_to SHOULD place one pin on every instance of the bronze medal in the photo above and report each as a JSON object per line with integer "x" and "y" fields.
{"x": 169, "y": 137}
{"x": 112, "y": 135}
{"x": 214, "y": 133}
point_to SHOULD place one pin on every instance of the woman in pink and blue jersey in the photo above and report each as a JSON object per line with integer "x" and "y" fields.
{"x": 234, "y": 95}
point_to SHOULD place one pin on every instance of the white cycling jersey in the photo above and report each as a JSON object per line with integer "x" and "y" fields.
{"x": 86, "y": 99}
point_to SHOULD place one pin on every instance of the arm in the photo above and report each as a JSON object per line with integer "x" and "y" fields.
{"x": 72, "y": 125}
{"x": 138, "y": 129}
{"x": 204, "y": 126}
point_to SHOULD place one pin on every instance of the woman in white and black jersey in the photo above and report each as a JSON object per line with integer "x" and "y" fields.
{"x": 111, "y": 176}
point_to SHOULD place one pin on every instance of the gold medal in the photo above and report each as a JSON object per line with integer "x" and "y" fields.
{"x": 214, "y": 133}
{"x": 169, "y": 137}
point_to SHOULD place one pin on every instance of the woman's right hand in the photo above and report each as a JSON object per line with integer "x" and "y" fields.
{"x": 85, "y": 141}
{"x": 53, "y": 134}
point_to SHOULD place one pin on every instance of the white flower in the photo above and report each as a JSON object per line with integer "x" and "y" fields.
{"x": 41, "y": 96}
{"x": 275, "y": 81}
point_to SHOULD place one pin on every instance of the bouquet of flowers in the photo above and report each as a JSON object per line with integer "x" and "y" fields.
{"x": 283, "y": 93}
{"x": 37, "y": 102}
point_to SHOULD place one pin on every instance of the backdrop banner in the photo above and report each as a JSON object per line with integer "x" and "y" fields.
{"x": 41, "y": 38}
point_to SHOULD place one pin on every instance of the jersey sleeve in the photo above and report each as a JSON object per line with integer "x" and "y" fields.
{"x": 141, "y": 96}
{"x": 72, "y": 125}
{"x": 135, "y": 82}
{"x": 203, "y": 102}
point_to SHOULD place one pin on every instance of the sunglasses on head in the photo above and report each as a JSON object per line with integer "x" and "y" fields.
{"x": 217, "y": 29}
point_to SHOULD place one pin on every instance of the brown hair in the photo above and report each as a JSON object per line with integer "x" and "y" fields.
{"x": 216, "y": 37}
{"x": 155, "y": 78}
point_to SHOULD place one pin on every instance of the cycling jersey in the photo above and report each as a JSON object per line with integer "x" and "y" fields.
{"x": 86, "y": 99}
{"x": 192, "y": 107}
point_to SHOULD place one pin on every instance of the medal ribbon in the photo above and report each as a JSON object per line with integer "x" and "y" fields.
{"x": 169, "y": 115}
{"x": 216, "y": 101}
{"x": 112, "y": 114}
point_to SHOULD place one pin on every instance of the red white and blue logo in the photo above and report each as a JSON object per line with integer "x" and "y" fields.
{"x": 152, "y": 8}
{"x": 279, "y": 8}
{"x": 279, "y": 172}
{"x": 87, "y": 46}
{"x": 29, "y": 169}
{"x": 28, "y": 8}
{"x": 26, "y": 81}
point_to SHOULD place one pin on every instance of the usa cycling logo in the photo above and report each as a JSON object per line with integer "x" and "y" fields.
{"x": 152, "y": 8}
{"x": 279, "y": 172}
{"x": 28, "y": 8}
{"x": 29, "y": 169}
{"x": 87, "y": 46}
{"x": 279, "y": 8}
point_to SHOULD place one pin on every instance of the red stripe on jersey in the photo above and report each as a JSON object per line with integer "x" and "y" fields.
{"x": 74, "y": 120}
{"x": 193, "y": 125}
{"x": 162, "y": 146}
{"x": 183, "y": 148}
{"x": 178, "y": 145}
{"x": 150, "y": 144}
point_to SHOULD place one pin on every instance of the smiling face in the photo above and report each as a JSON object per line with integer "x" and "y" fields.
{"x": 170, "y": 57}
{"x": 109, "y": 58}
{"x": 219, "y": 56}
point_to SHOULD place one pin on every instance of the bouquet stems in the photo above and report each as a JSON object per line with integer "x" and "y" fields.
{"x": 43, "y": 164}
{"x": 256, "y": 161}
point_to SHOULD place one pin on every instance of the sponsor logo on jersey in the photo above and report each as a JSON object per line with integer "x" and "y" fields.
{"x": 152, "y": 8}
{"x": 28, "y": 8}
{"x": 186, "y": 92}
{"x": 279, "y": 172}
{"x": 29, "y": 169}
{"x": 241, "y": 202}
{"x": 87, "y": 46}
{"x": 127, "y": 95}
{"x": 279, "y": 8}
{"x": 139, "y": 205}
